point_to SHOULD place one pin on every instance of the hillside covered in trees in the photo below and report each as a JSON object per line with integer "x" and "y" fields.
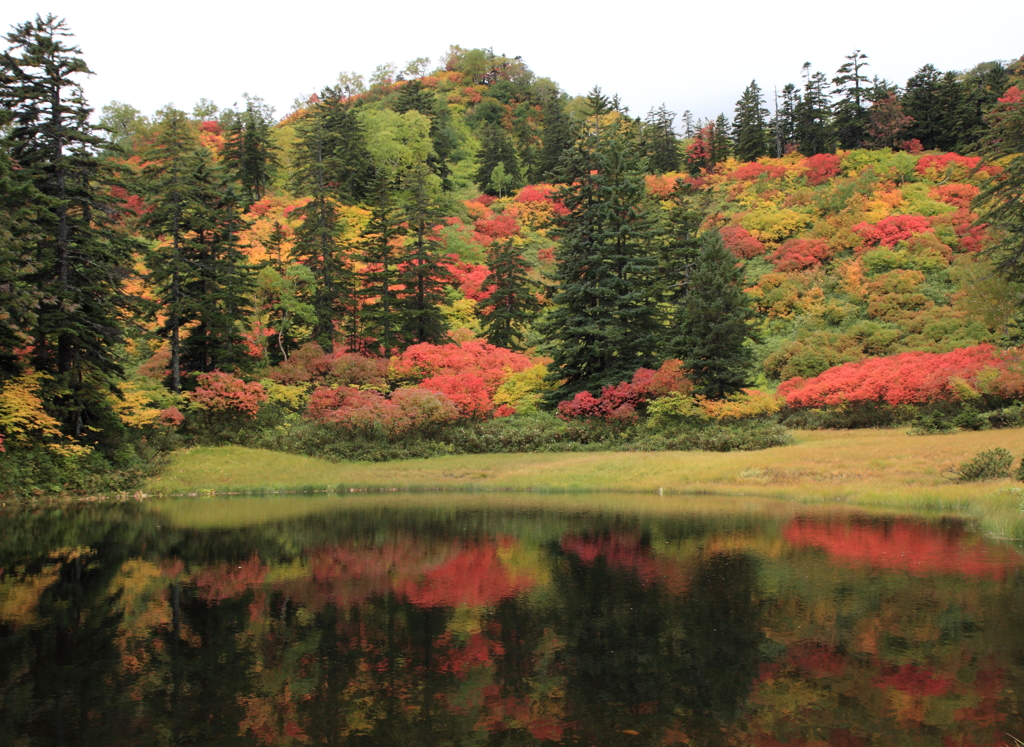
{"x": 462, "y": 257}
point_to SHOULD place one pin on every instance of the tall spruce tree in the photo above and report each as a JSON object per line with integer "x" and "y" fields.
{"x": 382, "y": 251}
{"x": 606, "y": 316}
{"x": 784, "y": 123}
{"x": 851, "y": 114}
{"x": 497, "y": 149}
{"x": 80, "y": 261}
{"x": 557, "y": 137}
{"x": 19, "y": 299}
{"x": 513, "y": 304}
{"x": 249, "y": 152}
{"x": 710, "y": 324}
{"x": 814, "y": 132}
{"x": 660, "y": 142}
{"x": 198, "y": 275}
{"x": 423, "y": 271}
{"x": 749, "y": 126}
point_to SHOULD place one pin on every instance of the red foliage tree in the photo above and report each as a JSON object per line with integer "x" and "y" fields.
{"x": 822, "y": 167}
{"x": 892, "y": 229}
{"x": 801, "y": 254}
{"x": 223, "y": 392}
{"x": 739, "y": 241}
{"x": 621, "y": 401}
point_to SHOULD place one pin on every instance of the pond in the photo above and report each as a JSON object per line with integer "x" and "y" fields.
{"x": 505, "y": 619}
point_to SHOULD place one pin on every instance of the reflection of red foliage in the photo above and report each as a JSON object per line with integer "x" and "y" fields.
{"x": 915, "y": 548}
{"x": 626, "y": 552}
{"x": 915, "y": 681}
{"x": 473, "y": 577}
{"x": 219, "y": 582}
{"x": 816, "y": 659}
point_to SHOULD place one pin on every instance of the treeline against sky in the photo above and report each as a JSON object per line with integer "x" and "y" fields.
{"x": 446, "y": 246}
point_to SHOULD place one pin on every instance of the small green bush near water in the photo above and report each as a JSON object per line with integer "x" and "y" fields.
{"x": 987, "y": 465}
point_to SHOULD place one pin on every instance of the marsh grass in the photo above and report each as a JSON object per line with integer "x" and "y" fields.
{"x": 861, "y": 467}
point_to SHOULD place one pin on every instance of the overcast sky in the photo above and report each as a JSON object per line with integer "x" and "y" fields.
{"x": 696, "y": 56}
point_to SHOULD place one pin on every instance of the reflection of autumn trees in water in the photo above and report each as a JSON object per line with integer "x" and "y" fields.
{"x": 396, "y": 628}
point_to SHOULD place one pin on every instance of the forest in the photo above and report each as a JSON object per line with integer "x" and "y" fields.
{"x": 463, "y": 258}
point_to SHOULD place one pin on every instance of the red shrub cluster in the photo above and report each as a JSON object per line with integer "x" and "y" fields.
{"x": 364, "y": 411}
{"x": 223, "y": 392}
{"x": 748, "y": 172}
{"x": 916, "y": 378}
{"x": 892, "y": 229}
{"x": 543, "y": 193}
{"x": 822, "y": 167}
{"x": 470, "y": 279}
{"x": 310, "y": 363}
{"x": 739, "y": 241}
{"x": 945, "y": 165}
{"x": 801, "y": 254}
{"x": 620, "y": 402}
{"x": 959, "y": 195}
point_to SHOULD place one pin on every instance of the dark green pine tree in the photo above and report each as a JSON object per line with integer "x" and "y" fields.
{"x": 80, "y": 260}
{"x": 605, "y": 319}
{"x": 382, "y": 251}
{"x": 19, "y": 300}
{"x": 497, "y": 149}
{"x": 320, "y": 173}
{"x": 249, "y": 153}
{"x": 423, "y": 274}
{"x": 923, "y": 99}
{"x": 814, "y": 115}
{"x": 660, "y": 142}
{"x": 851, "y": 114}
{"x": 679, "y": 245}
{"x": 512, "y": 305}
{"x": 721, "y": 139}
{"x": 749, "y": 126}
{"x": 199, "y": 276}
{"x": 710, "y": 323}
{"x": 557, "y": 138}
{"x": 784, "y": 123}
{"x": 349, "y": 167}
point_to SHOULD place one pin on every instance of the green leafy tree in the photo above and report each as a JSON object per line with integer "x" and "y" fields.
{"x": 605, "y": 317}
{"x": 80, "y": 260}
{"x": 749, "y": 126}
{"x": 710, "y": 324}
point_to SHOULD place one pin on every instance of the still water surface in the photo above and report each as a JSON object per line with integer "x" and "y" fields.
{"x": 505, "y": 620}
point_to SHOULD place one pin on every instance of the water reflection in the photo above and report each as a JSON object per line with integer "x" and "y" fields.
{"x": 174, "y": 624}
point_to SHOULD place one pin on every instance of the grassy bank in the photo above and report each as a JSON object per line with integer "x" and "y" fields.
{"x": 864, "y": 467}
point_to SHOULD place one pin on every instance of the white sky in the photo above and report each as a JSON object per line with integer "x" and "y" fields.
{"x": 697, "y": 56}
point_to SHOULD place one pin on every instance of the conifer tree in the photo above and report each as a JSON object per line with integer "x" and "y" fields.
{"x": 382, "y": 252}
{"x": 814, "y": 115}
{"x": 422, "y": 272}
{"x": 19, "y": 300}
{"x": 784, "y": 123}
{"x": 79, "y": 260}
{"x": 197, "y": 272}
{"x": 721, "y": 139}
{"x": 556, "y": 140}
{"x": 851, "y": 116}
{"x": 749, "y": 126}
{"x": 605, "y": 318}
{"x": 249, "y": 152}
{"x": 710, "y": 324}
{"x": 661, "y": 145}
{"x": 497, "y": 148}
{"x": 513, "y": 304}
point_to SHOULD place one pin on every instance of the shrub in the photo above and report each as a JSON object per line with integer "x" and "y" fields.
{"x": 987, "y": 465}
